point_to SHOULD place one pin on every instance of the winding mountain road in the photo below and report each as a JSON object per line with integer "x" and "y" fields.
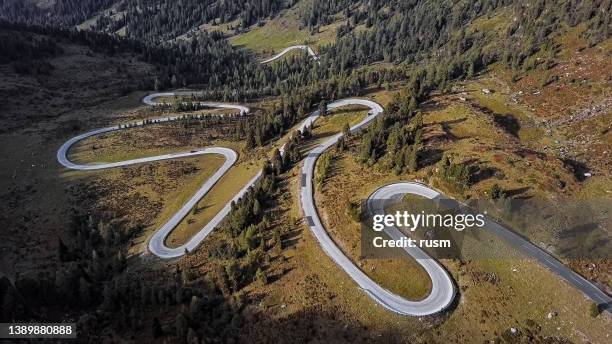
{"x": 157, "y": 242}
{"x": 150, "y": 100}
{"x": 443, "y": 290}
{"x": 293, "y": 47}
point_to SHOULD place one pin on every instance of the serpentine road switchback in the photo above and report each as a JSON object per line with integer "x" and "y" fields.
{"x": 293, "y": 47}
{"x": 443, "y": 290}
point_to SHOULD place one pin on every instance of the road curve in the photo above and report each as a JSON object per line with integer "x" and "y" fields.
{"x": 150, "y": 100}
{"x": 157, "y": 242}
{"x": 288, "y": 49}
{"x": 442, "y": 287}
{"x": 443, "y": 290}
{"x": 530, "y": 250}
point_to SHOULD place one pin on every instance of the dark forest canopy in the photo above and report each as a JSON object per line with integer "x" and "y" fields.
{"x": 151, "y": 20}
{"x": 57, "y": 13}
{"x": 428, "y": 42}
{"x": 427, "y": 45}
{"x": 161, "y": 20}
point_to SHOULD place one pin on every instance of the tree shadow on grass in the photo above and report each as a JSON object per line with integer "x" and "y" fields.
{"x": 429, "y": 156}
{"x": 508, "y": 123}
{"x": 313, "y": 326}
{"x": 291, "y": 238}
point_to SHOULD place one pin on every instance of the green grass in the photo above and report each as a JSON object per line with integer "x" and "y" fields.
{"x": 225, "y": 189}
{"x": 497, "y": 23}
{"x": 461, "y": 123}
{"x": 401, "y": 274}
{"x": 596, "y": 187}
{"x": 133, "y": 143}
{"x": 116, "y": 146}
{"x": 270, "y": 37}
{"x": 281, "y": 32}
{"x": 515, "y": 297}
{"x": 83, "y": 153}
{"x": 356, "y": 305}
{"x": 208, "y": 165}
{"x": 335, "y": 121}
{"x": 500, "y": 103}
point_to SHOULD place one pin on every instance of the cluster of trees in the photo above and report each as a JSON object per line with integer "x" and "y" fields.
{"x": 201, "y": 308}
{"x": 96, "y": 41}
{"x": 342, "y": 143}
{"x": 268, "y": 125}
{"x": 497, "y": 193}
{"x": 186, "y": 104}
{"x": 395, "y": 137}
{"x": 534, "y": 21}
{"x": 57, "y": 13}
{"x": 291, "y": 155}
{"x": 406, "y": 31}
{"x": 403, "y": 146}
{"x": 426, "y": 40}
{"x": 323, "y": 12}
{"x": 246, "y": 255}
{"x": 434, "y": 32}
{"x": 162, "y": 20}
{"x": 397, "y": 31}
{"x": 224, "y": 72}
{"x": 456, "y": 175}
{"x": 93, "y": 258}
{"x": 28, "y": 53}
{"x": 323, "y": 167}
{"x": 91, "y": 275}
{"x": 30, "y": 47}
{"x": 184, "y": 129}
{"x": 230, "y": 74}
{"x": 324, "y": 163}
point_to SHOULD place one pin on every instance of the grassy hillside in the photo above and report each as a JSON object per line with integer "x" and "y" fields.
{"x": 283, "y": 31}
{"x": 39, "y": 86}
{"x": 515, "y": 93}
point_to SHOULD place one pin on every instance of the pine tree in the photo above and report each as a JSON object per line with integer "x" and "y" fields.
{"x": 182, "y": 327}
{"x": 260, "y": 275}
{"x": 594, "y": 310}
{"x": 63, "y": 251}
{"x": 323, "y": 108}
{"x": 277, "y": 162}
{"x": 346, "y": 130}
{"x": 157, "y": 328}
{"x": 412, "y": 161}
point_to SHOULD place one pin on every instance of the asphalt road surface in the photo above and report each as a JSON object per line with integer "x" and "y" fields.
{"x": 288, "y": 49}
{"x": 536, "y": 253}
{"x": 157, "y": 242}
{"x": 443, "y": 290}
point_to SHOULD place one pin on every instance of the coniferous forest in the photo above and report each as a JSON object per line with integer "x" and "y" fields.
{"x": 418, "y": 49}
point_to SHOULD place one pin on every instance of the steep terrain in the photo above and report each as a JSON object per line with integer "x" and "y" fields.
{"x": 497, "y": 100}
